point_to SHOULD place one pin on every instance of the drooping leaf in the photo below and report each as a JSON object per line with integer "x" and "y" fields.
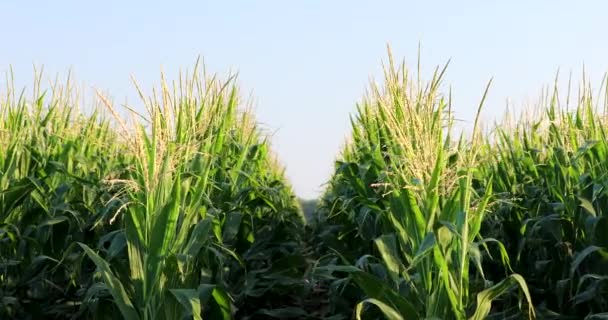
{"x": 121, "y": 299}
{"x": 485, "y": 297}
{"x": 389, "y": 313}
{"x": 189, "y": 299}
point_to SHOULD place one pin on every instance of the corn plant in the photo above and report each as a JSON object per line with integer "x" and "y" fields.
{"x": 203, "y": 203}
{"x": 549, "y": 169}
{"x": 180, "y": 209}
{"x": 431, "y": 224}
{"x": 52, "y": 193}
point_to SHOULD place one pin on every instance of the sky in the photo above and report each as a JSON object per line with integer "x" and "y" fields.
{"x": 308, "y": 62}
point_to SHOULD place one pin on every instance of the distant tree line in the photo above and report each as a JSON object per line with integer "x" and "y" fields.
{"x": 308, "y": 207}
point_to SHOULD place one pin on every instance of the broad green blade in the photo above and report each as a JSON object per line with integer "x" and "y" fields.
{"x": 121, "y": 299}
{"x": 189, "y": 299}
{"x": 389, "y": 313}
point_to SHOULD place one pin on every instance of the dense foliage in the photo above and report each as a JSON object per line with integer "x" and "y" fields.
{"x": 182, "y": 211}
{"x": 501, "y": 224}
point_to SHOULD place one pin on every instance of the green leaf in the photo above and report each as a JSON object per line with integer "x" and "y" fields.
{"x": 584, "y": 254}
{"x": 189, "y": 299}
{"x": 426, "y": 246}
{"x": 414, "y": 209}
{"x": 205, "y": 291}
{"x": 389, "y": 313}
{"x": 223, "y": 301}
{"x": 377, "y": 289}
{"x": 485, "y": 297}
{"x": 475, "y": 256}
{"x": 504, "y": 256}
{"x": 198, "y": 238}
{"x": 451, "y": 289}
{"x": 588, "y": 206}
{"x": 387, "y": 246}
{"x": 53, "y": 221}
{"x": 121, "y": 299}
{"x": 231, "y": 225}
{"x": 164, "y": 227}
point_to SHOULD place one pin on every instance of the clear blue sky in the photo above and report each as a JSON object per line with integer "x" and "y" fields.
{"x": 308, "y": 62}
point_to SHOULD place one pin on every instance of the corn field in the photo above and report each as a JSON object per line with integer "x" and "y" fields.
{"x": 180, "y": 210}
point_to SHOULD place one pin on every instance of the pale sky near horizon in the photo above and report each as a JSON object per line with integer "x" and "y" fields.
{"x": 308, "y": 62}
